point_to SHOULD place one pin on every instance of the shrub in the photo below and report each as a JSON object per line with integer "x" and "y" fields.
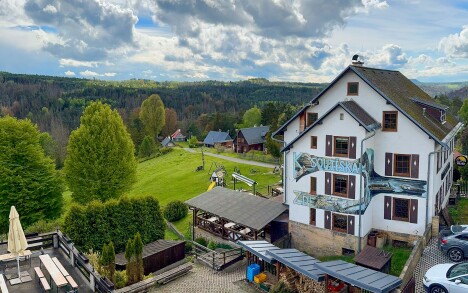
{"x": 201, "y": 241}
{"x": 188, "y": 247}
{"x": 120, "y": 279}
{"x": 193, "y": 142}
{"x": 224, "y": 246}
{"x": 165, "y": 150}
{"x": 43, "y": 226}
{"x": 92, "y": 226}
{"x": 175, "y": 210}
{"x": 211, "y": 245}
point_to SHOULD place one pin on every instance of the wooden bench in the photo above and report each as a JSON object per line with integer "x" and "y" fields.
{"x": 3, "y": 286}
{"x": 44, "y": 284}
{"x": 72, "y": 283}
{"x": 173, "y": 274}
{"x": 39, "y": 272}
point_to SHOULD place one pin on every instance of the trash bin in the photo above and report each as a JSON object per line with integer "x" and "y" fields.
{"x": 252, "y": 271}
{"x": 371, "y": 238}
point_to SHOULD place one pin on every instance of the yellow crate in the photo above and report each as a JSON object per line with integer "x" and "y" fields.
{"x": 260, "y": 278}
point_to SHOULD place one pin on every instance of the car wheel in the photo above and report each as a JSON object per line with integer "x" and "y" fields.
{"x": 438, "y": 289}
{"x": 455, "y": 254}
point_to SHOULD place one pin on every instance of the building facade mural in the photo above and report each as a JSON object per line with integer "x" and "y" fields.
{"x": 373, "y": 183}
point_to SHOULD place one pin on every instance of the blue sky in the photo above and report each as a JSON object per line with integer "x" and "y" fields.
{"x": 287, "y": 40}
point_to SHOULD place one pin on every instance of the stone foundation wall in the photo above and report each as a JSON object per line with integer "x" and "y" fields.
{"x": 320, "y": 242}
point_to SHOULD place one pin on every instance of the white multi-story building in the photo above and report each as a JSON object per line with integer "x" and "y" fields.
{"x": 371, "y": 152}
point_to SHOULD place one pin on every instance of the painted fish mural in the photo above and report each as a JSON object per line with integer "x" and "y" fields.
{"x": 373, "y": 183}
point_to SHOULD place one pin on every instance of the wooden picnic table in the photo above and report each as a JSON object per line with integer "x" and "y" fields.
{"x": 229, "y": 225}
{"x": 213, "y": 219}
{"x": 53, "y": 270}
{"x": 60, "y": 267}
{"x": 12, "y": 256}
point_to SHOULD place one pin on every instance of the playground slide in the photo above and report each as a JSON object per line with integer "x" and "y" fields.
{"x": 213, "y": 184}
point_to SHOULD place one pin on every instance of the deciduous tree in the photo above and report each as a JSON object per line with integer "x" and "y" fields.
{"x": 147, "y": 147}
{"x": 100, "y": 163}
{"x": 153, "y": 115}
{"x": 252, "y": 117}
{"x": 28, "y": 179}
{"x": 463, "y": 113}
{"x": 171, "y": 122}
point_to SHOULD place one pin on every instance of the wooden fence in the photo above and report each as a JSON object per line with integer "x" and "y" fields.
{"x": 217, "y": 260}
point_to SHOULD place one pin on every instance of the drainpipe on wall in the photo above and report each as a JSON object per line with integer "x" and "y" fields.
{"x": 284, "y": 168}
{"x": 360, "y": 190}
{"x": 443, "y": 149}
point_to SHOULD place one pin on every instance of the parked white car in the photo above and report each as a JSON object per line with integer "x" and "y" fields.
{"x": 447, "y": 278}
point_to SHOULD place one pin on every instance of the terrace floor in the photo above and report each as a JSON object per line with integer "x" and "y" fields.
{"x": 34, "y": 286}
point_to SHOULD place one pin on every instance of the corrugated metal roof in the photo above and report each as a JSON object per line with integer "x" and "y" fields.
{"x": 259, "y": 248}
{"x": 298, "y": 261}
{"x": 361, "y": 277}
{"x": 242, "y": 208}
{"x": 216, "y": 136}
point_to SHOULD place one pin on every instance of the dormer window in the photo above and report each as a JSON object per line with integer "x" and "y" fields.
{"x": 353, "y": 88}
{"x": 442, "y": 116}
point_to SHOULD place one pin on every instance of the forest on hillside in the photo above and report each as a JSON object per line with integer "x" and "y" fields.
{"x": 56, "y": 103}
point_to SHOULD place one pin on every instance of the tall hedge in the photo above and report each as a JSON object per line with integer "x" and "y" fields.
{"x": 93, "y": 225}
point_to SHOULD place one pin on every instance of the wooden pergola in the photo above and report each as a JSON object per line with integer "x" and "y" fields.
{"x": 234, "y": 215}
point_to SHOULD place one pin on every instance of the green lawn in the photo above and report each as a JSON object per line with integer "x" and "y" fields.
{"x": 250, "y": 156}
{"x": 459, "y": 213}
{"x": 399, "y": 258}
{"x": 183, "y": 226}
{"x": 173, "y": 176}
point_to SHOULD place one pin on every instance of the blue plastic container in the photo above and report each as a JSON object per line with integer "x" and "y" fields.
{"x": 252, "y": 271}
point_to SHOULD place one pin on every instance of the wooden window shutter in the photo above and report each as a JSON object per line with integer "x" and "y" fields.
{"x": 388, "y": 164}
{"x": 328, "y": 182}
{"x": 388, "y": 208}
{"x": 351, "y": 224}
{"x": 328, "y": 220}
{"x": 413, "y": 211}
{"x": 302, "y": 121}
{"x": 414, "y": 166}
{"x": 351, "y": 186}
{"x": 329, "y": 146}
{"x": 352, "y": 147}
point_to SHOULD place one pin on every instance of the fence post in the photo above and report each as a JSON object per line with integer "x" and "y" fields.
{"x": 72, "y": 255}
{"x": 55, "y": 241}
{"x": 92, "y": 282}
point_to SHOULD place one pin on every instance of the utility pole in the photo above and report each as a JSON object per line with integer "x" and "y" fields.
{"x": 203, "y": 158}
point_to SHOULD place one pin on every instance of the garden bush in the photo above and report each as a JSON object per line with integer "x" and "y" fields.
{"x": 120, "y": 279}
{"x": 175, "y": 211}
{"x": 93, "y": 225}
{"x": 211, "y": 245}
{"x": 44, "y": 226}
{"x": 201, "y": 241}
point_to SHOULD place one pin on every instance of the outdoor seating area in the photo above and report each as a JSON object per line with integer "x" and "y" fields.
{"x": 58, "y": 276}
{"x": 234, "y": 215}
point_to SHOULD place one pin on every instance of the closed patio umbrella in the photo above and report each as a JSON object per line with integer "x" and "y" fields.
{"x": 17, "y": 243}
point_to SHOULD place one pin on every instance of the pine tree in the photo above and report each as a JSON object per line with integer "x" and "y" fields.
{"x": 138, "y": 248}
{"x": 100, "y": 163}
{"x": 111, "y": 261}
{"x": 129, "y": 256}
{"x": 28, "y": 179}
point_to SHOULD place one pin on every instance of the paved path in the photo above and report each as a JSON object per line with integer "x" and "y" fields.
{"x": 202, "y": 279}
{"x": 431, "y": 256}
{"x": 237, "y": 160}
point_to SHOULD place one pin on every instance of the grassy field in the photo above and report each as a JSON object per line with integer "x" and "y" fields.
{"x": 459, "y": 213}
{"x": 173, "y": 176}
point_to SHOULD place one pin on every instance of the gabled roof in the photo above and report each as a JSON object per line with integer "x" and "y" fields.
{"x": 216, "y": 136}
{"x": 177, "y": 133}
{"x": 239, "y": 207}
{"x": 167, "y": 141}
{"x": 400, "y": 92}
{"x": 353, "y": 109}
{"x": 255, "y": 135}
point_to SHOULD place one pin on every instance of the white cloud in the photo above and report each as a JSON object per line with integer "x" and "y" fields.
{"x": 109, "y": 74}
{"x": 76, "y": 63}
{"x": 50, "y": 9}
{"x": 391, "y": 56}
{"x": 88, "y": 29}
{"x": 456, "y": 45}
{"x": 369, "y": 4}
{"x": 89, "y": 73}
{"x": 69, "y": 73}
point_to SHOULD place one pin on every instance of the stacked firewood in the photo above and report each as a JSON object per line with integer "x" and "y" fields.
{"x": 297, "y": 282}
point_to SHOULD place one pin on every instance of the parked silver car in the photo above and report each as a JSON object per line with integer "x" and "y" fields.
{"x": 455, "y": 245}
